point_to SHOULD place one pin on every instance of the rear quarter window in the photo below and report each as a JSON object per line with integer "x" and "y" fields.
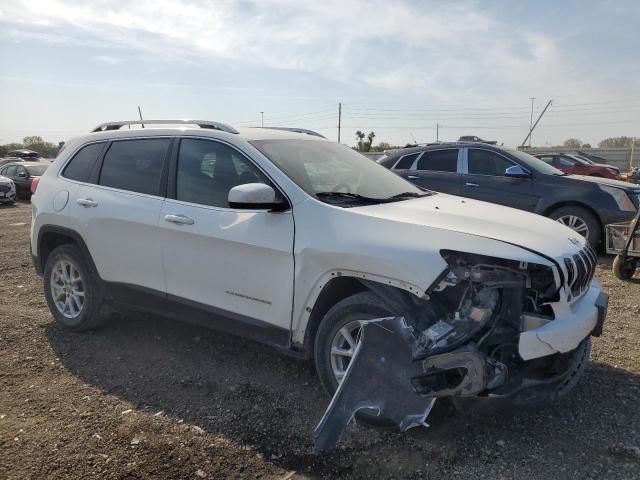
{"x": 81, "y": 165}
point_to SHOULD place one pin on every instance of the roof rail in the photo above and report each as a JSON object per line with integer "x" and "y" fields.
{"x": 201, "y": 123}
{"x": 295, "y": 130}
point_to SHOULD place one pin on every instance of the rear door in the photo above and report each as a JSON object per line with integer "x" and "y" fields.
{"x": 437, "y": 170}
{"x": 118, "y": 216}
{"x": 485, "y": 180}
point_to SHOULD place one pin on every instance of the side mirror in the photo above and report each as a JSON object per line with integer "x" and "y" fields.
{"x": 516, "y": 171}
{"x": 253, "y": 196}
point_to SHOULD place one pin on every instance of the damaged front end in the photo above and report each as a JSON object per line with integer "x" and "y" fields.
{"x": 459, "y": 340}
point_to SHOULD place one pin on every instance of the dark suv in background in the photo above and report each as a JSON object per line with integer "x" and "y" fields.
{"x": 516, "y": 179}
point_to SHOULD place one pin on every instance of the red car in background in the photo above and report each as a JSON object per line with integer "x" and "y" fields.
{"x": 575, "y": 165}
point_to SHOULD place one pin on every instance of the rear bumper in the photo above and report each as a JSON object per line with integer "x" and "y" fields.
{"x": 573, "y": 323}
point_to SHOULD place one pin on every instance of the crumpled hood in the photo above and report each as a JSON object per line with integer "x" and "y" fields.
{"x": 530, "y": 231}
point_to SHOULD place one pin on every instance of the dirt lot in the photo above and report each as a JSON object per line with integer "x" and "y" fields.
{"x": 148, "y": 398}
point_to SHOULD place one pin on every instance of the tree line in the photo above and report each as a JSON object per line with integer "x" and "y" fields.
{"x": 35, "y": 143}
{"x": 612, "y": 142}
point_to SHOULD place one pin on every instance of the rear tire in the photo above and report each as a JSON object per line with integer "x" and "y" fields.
{"x": 581, "y": 220}
{"x": 72, "y": 289}
{"x": 624, "y": 270}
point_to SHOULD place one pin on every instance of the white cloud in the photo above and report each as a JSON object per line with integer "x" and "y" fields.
{"x": 426, "y": 45}
{"x": 107, "y": 59}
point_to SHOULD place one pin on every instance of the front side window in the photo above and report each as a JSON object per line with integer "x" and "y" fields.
{"x": 335, "y": 173}
{"x": 439, "y": 160}
{"x": 485, "y": 162}
{"x": 207, "y": 170}
{"x": 135, "y": 165}
{"x": 81, "y": 165}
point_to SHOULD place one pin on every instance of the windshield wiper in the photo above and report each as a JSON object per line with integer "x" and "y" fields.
{"x": 349, "y": 195}
{"x": 408, "y": 195}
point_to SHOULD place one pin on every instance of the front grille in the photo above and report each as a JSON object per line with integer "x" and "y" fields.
{"x": 5, "y": 188}
{"x": 580, "y": 270}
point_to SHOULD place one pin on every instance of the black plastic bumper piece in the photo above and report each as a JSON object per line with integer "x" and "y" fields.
{"x": 602, "y": 303}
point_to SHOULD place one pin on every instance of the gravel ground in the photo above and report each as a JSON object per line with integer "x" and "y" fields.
{"x": 147, "y": 398}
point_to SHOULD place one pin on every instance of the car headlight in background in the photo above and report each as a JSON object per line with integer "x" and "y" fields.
{"x": 613, "y": 171}
{"x": 620, "y": 196}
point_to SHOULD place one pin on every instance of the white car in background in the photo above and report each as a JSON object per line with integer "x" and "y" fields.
{"x": 400, "y": 295}
{"x": 7, "y": 191}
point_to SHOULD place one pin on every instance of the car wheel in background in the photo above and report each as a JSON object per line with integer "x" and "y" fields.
{"x": 72, "y": 290}
{"x": 580, "y": 220}
{"x": 624, "y": 270}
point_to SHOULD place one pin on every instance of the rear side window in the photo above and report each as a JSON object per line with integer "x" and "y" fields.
{"x": 439, "y": 161}
{"x": 484, "y": 162}
{"x": 406, "y": 161}
{"x": 135, "y": 165}
{"x": 81, "y": 165}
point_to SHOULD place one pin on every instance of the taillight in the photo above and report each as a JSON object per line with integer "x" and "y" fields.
{"x": 34, "y": 184}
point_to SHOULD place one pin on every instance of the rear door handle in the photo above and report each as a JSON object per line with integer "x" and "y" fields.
{"x": 469, "y": 184}
{"x": 413, "y": 177}
{"x": 178, "y": 219}
{"x": 87, "y": 202}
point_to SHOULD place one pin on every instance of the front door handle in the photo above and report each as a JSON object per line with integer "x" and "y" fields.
{"x": 87, "y": 202}
{"x": 179, "y": 219}
{"x": 469, "y": 184}
{"x": 413, "y": 177}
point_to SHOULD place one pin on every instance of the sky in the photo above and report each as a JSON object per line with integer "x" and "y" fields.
{"x": 399, "y": 67}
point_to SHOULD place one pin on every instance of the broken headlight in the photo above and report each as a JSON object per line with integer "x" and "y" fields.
{"x": 470, "y": 293}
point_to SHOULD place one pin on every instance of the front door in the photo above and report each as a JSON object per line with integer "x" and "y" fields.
{"x": 234, "y": 263}
{"x": 485, "y": 180}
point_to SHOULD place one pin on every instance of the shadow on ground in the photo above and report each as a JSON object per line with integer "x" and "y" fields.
{"x": 254, "y": 395}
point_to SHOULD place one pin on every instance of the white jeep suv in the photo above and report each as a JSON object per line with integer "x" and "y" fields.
{"x": 296, "y": 241}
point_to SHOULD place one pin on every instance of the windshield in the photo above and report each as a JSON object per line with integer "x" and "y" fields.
{"x": 336, "y": 173}
{"x": 533, "y": 163}
{"x": 36, "y": 170}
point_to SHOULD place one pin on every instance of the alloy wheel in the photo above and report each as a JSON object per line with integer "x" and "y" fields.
{"x": 67, "y": 288}
{"x": 343, "y": 347}
{"x": 576, "y": 224}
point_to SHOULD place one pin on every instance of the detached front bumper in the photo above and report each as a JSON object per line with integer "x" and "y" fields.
{"x": 572, "y": 324}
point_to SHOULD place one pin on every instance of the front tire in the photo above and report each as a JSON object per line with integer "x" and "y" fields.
{"x": 339, "y": 331}
{"x": 72, "y": 289}
{"x": 580, "y": 220}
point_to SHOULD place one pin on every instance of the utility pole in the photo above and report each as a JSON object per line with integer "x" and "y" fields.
{"x": 140, "y": 113}
{"x": 437, "y": 132}
{"x": 262, "y": 119}
{"x": 535, "y": 124}
{"x": 339, "y": 119}
{"x": 531, "y": 120}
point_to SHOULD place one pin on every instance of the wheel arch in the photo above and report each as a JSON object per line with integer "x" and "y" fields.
{"x": 340, "y": 287}
{"x": 52, "y": 236}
